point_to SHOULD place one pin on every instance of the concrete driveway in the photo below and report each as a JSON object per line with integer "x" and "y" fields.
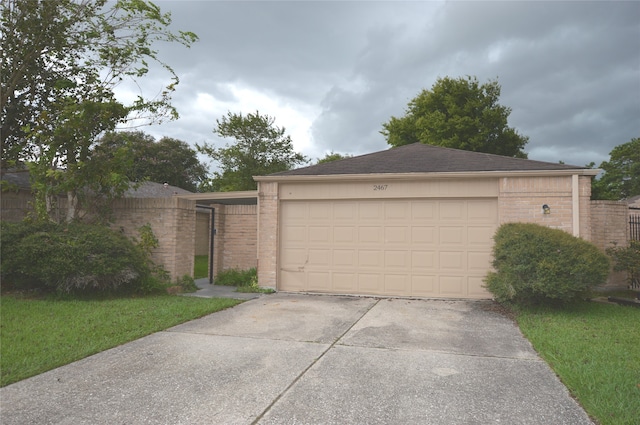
{"x": 309, "y": 359}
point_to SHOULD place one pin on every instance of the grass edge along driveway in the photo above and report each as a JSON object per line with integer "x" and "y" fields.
{"x": 595, "y": 350}
{"x": 37, "y": 335}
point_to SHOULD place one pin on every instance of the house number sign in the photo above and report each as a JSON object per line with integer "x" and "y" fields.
{"x": 380, "y": 187}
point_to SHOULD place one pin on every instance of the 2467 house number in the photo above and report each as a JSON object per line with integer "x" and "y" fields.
{"x": 380, "y": 187}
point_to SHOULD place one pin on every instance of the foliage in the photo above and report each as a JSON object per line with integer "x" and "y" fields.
{"x": 201, "y": 266}
{"x": 73, "y": 258}
{"x": 166, "y": 160}
{"x": 61, "y": 62}
{"x": 260, "y": 148}
{"x": 235, "y": 277}
{"x": 42, "y": 334}
{"x": 253, "y": 287}
{"x": 332, "y": 156}
{"x": 461, "y": 114}
{"x": 627, "y": 259}
{"x": 186, "y": 283}
{"x": 621, "y": 178}
{"x": 593, "y": 348}
{"x": 535, "y": 263}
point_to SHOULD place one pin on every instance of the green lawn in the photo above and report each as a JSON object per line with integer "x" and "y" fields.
{"x": 37, "y": 335}
{"x": 595, "y": 350}
{"x": 201, "y": 266}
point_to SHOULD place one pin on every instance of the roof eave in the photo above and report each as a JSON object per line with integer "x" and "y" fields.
{"x": 427, "y": 176}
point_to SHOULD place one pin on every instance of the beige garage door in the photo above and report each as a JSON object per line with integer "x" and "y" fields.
{"x": 425, "y": 247}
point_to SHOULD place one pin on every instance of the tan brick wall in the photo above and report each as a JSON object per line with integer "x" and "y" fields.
{"x": 236, "y": 239}
{"x": 267, "y": 233}
{"x": 520, "y": 199}
{"x": 609, "y": 225}
{"x": 173, "y": 222}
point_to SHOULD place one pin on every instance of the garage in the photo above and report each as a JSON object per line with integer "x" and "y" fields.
{"x": 413, "y": 221}
{"x": 421, "y": 247}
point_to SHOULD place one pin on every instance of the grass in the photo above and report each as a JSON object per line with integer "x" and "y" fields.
{"x": 595, "y": 350}
{"x": 37, "y": 335}
{"x": 201, "y": 266}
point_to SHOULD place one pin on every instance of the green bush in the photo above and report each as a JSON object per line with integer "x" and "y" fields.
{"x": 235, "y": 277}
{"x": 534, "y": 263}
{"x": 72, "y": 258}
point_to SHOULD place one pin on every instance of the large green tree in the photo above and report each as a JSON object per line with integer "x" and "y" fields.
{"x": 621, "y": 178}
{"x": 166, "y": 160}
{"x": 260, "y": 148}
{"x": 61, "y": 62}
{"x": 458, "y": 113}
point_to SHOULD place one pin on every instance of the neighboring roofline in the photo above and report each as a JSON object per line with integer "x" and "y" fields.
{"x": 247, "y": 197}
{"x": 426, "y": 176}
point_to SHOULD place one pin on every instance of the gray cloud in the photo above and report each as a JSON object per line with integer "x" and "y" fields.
{"x": 570, "y": 71}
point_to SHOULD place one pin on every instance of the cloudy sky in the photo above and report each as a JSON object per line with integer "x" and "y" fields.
{"x": 331, "y": 72}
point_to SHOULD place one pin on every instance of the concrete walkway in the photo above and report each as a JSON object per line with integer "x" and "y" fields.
{"x": 305, "y": 359}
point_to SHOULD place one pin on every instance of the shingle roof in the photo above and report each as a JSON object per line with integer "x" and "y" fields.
{"x": 421, "y": 158}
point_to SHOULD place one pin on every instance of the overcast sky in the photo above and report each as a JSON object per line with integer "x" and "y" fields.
{"x": 332, "y": 72}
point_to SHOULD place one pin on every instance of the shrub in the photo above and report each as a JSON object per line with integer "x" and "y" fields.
{"x": 627, "y": 259}
{"x": 72, "y": 257}
{"x": 534, "y": 263}
{"x": 235, "y": 277}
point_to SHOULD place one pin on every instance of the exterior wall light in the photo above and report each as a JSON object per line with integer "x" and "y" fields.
{"x": 546, "y": 209}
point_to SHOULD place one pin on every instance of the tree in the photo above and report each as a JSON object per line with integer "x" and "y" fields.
{"x": 621, "y": 178}
{"x": 461, "y": 114}
{"x": 260, "y": 148}
{"x": 61, "y": 61}
{"x": 332, "y": 156}
{"x": 167, "y": 160}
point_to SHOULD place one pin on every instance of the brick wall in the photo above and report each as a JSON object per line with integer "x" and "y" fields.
{"x": 609, "y": 225}
{"x": 520, "y": 199}
{"x": 236, "y": 239}
{"x": 173, "y": 222}
{"x": 267, "y": 233}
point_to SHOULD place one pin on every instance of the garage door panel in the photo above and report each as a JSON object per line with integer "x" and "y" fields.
{"x": 452, "y": 286}
{"x": 369, "y": 283}
{"x": 319, "y": 258}
{"x": 396, "y": 235}
{"x": 293, "y": 257}
{"x": 423, "y": 285}
{"x": 424, "y": 260}
{"x": 423, "y": 235}
{"x": 294, "y": 234}
{"x": 319, "y": 281}
{"x": 345, "y": 235}
{"x": 421, "y": 247}
{"x": 451, "y": 260}
{"x": 397, "y": 284}
{"x": 344, "y": 282}
{"x": 397, "y": 259}
{"x": 452, "y": 211}
{"x": 451, "y": 235}
{"x": 476, "y": 287}
{"x": 478, "y": 261}
{"x": 423, "y": 210}
{"x": 344, "y": 258}
{"x": 320, "y": 234}
{"x": 370, "y": 259}
{"x": 480, "y": 235}
{"x": 370, "y": 234}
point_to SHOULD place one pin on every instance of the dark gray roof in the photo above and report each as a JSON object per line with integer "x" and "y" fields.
{"x": 154, "y": 190}
{"x": 421, "y": 158}
{"x": 19, "y": 178}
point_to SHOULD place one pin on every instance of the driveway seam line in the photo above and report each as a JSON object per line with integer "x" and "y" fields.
{"x": 452, "y": 353}
{"x": 297, "y": 378}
